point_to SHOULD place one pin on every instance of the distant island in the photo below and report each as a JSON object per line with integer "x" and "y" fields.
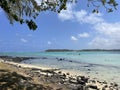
{"x": 58, "y": 50}
{"x": 68, "y": 50}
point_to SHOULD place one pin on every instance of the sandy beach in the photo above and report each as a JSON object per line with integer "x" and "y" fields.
{"x": 51, "y": 78}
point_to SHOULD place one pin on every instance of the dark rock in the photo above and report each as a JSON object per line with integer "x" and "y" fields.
{"x": 93, "y": 87}
{"x": 39, "y": 75}
{"x": 89, "y": 69}
{"x": 60, "y": 59}
{"x": 59, "y": 89}
{"x": 61, "y": 82}
{"x": 70, "y": 61}
{"x": 111, "y": 84}
{"x": 115, "y": 84}
{"x": 96, "y": 72}
{"x": 35, "y": 69}
{"x": 44, "y": 57}
{"x": 15, "y": 59}
{"x": 72, "y": 80}
{"x": 93, "y": 81}
{"x": 106, "y": 86}
{"x": 67, "y": 73}
{"x": 59, "y": 72}
{"x": 104, "y": 82}
{"x": 99, "y": 81}
{"x": 81, "y": 82}
{"x": 83, "y": 78}
{"x": 80, "y": 87}
{"x": 64, "y": 74}
{"x": 19, "y": 66}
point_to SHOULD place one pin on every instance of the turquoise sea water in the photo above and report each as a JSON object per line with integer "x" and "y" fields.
{"x": 100, "y": 58}
{"x": 97, "y": 63}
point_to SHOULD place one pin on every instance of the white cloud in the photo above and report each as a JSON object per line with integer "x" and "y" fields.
{"x": 38, "y": 1}
{"x": 44, "y": 1}
{"x": 24, "y": 40}
{"x": 109, "y": 29}
{"x": 81, "y": 16}
{"x": 111, "y": 34}
{"x": 107, "y": 34}
{"x": 66, "y": 14}
{"x": 99, "y": 42}
{"x": 49, "y": 42}
{"x": 74, "y": 38}
{"x": 84, "y": 35}
{"x": 105, "y": 43}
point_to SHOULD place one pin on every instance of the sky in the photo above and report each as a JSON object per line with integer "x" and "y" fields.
{"x": 74, "y": 28}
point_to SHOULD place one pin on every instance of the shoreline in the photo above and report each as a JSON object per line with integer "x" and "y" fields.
{"x": 24, "y": 65}
{"x": 69, "y": 77}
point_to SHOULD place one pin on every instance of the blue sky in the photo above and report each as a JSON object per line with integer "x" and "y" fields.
{"x": 75, "y": 28}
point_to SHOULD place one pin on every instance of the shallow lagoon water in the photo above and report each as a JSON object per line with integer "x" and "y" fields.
{"x": 103, "y": 65}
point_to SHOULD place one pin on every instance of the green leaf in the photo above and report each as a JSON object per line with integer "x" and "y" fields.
{"x": 110, "y": 10}
{"x": 103, "y": 2}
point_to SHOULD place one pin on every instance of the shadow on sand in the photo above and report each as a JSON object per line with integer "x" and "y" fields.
{"x": 14, "y": 81}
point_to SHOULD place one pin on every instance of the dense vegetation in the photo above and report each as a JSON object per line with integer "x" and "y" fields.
{"x": 67, "y": 50}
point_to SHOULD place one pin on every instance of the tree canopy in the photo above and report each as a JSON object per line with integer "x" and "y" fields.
{"x": 26, "y": 11}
